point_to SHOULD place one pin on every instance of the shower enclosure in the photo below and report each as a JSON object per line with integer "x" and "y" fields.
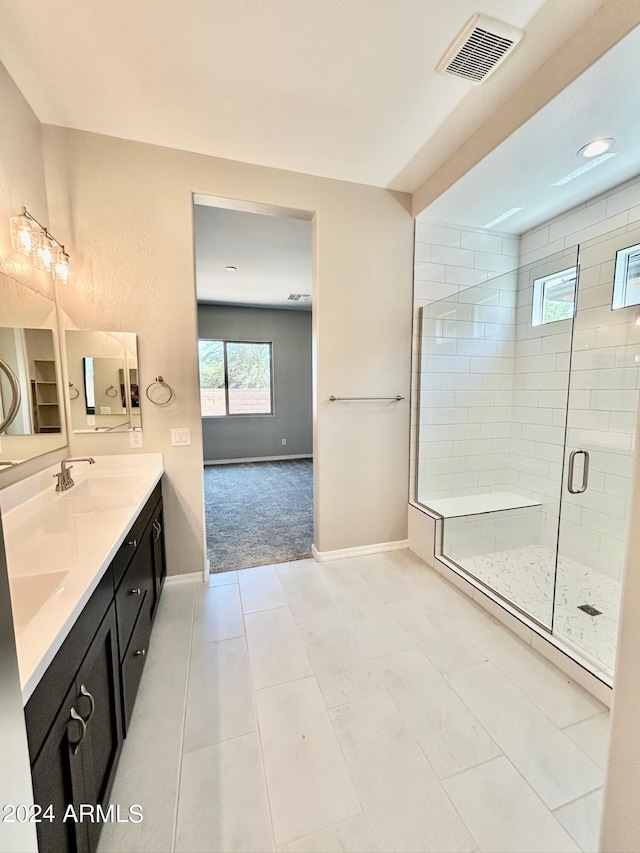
{"x": 529, "y": 392}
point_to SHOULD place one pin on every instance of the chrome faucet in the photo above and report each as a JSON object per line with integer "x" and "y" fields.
{"x": 64, "y": 477}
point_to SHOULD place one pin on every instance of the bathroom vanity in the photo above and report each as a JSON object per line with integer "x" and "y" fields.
{"x": 86, "y": 570}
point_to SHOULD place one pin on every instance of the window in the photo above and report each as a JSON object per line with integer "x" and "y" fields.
{"x": 626, "y": 281}
{"x": 554, "y": 297}
{"x": 235, "y": 378}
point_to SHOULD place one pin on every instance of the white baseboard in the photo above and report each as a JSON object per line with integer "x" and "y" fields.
{"x": 176, "y": 580}
{"x": 258, "y": 459}
{"x": 360, "y": 551}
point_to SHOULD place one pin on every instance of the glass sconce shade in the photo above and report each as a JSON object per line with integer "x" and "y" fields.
{"x": 61, "y": 266}
{"x": 30, "y": 238}
{"x": 23, "y": 235}
{"x": 45, "y": 253}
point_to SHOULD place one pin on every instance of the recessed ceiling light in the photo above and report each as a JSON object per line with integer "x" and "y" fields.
{"x": 596, "y": 148}
{"x": 503, "y": 216}
{"x": 596, "y": 161}
{"x": 231, "y": 269}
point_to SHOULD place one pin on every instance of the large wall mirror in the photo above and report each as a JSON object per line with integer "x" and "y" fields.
{"x": 31, "y": 403}
{"x": 102, "y": 369}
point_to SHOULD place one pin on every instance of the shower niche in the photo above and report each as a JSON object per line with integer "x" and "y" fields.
{"x": 528, "y": 406}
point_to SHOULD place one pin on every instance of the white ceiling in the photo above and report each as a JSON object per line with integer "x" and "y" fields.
{"x": 272, "y": 255}
{"x": 340, "y": 88}
{"x": 522, "y": 171}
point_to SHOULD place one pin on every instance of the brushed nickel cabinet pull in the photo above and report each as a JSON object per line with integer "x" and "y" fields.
{"x": 141, "y": 652}
{"x": 75, "y": 716}
{"x": 85, "y": 692}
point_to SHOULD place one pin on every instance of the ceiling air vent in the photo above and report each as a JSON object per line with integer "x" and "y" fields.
{"x": 481, "y": 46}
{"x": 299, "y": 297}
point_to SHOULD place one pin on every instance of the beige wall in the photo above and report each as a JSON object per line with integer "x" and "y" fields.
{"x": 22, "y": 183}
{"x": 621, "y": 816}
{"x": 126, "y": 211}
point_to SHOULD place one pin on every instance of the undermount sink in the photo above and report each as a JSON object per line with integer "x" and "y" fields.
{"x": 126, "y": 486}
{"x": 30, "y": 592}
{"x": 100, "y": 494}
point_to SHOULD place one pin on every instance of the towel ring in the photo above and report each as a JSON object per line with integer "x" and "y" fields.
{"x": 72, "y": 388}
{"x": 160, "y": 381}
{"x": 109, "y": 390}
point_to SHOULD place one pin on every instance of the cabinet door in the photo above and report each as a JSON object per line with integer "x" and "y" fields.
{"x": 58, "y": 781}
{"x": 159, "y": 557}
{"x": 98, "y": 702}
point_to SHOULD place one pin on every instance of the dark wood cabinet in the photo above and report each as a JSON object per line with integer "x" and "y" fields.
{"x": 78, "y": 759}
{"x": 58, "y": 782}
{"x": 98, "y": 703}
{"x": 159, "y": 556}
{"x": 79, "y": 713}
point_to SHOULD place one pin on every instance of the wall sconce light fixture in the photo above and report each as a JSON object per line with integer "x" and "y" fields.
{"x": 29, "y": 237}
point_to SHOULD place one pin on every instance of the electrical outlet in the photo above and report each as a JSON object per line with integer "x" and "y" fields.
{"x": 135, "y": 438}
{"x": 284, "y": 441}
{"x": 91, "y": 420}
{"x": 105, "y": 410}
{"x": 180, "y": 437}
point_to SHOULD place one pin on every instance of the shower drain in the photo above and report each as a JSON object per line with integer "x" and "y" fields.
{"x": 590, "y": 610}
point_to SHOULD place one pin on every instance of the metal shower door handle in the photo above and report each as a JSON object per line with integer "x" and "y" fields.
{"x": 585, "y": 472}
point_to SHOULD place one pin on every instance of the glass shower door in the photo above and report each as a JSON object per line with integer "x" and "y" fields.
{"x": 598, "y": 457}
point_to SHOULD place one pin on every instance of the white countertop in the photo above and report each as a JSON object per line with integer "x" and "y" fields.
{"x": 59, "y": 545}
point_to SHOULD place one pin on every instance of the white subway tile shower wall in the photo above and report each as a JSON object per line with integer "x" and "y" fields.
{"x": 603, "y": 410}
{"x": 449, "y": 259}
{"x": 527, "y": 414}
{"x": 614, "y": 209}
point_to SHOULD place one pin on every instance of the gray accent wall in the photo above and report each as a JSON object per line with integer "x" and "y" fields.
{"x": 258, "y": 436}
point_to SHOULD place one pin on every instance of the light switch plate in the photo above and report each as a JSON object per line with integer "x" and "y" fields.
{"x": 180, "y": 437}
{"x": 105, "y": 410}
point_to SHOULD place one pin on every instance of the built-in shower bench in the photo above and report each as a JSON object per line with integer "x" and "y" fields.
{"x": 478, "y": 504}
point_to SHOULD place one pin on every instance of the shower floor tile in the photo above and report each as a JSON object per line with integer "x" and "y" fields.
{"x": 525, "y": 577}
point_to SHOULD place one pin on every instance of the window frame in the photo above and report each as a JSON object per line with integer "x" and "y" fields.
{"x": 539, "y": 290}
{"x": 227, "y": 413}
{"x": 621, "y": 277}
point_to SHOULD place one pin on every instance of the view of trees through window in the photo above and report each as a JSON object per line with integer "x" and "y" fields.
{"x": 554, "y": 297}
{"x": 235, "y": 378}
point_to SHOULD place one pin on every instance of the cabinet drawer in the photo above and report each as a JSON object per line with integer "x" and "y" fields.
{"x": 135, "y": 586}
{"x": 126, "y": 551}
{"x": 134, "y": 661}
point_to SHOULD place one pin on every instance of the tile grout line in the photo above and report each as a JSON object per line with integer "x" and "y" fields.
{"x": 184, "y": 720}
{"x": 435, "y": 775}
{"x": 330, "y": 827}
{"x": 551, "y": 811}
{"x": 348, "y": 769}
{"x": 259, "y": 733}
{"x": 530, "y": 701}
{"x": 576, "y": 799}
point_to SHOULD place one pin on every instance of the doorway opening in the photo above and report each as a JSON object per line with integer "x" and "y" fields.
{"x": 254, "y": 293}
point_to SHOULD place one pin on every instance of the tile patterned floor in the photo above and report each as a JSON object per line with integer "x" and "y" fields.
{"x": 525, "y": 576}
{"x": 358, "y": 705}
